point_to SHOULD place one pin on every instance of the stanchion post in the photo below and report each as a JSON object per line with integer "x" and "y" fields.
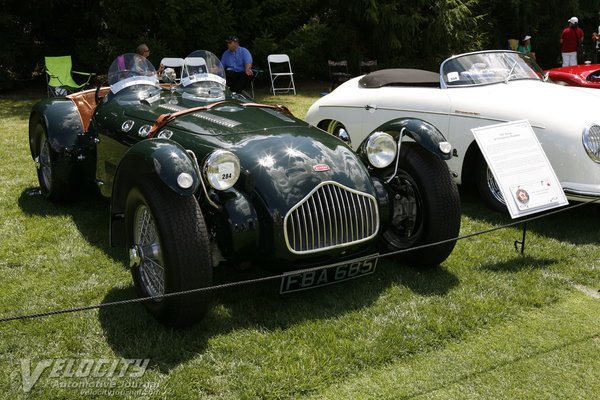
{"x": 522, "y": 241}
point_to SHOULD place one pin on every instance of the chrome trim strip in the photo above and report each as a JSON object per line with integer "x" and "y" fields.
{"x": 338, "y": 217}
{"x": 580, "y": 193}
{"x": 457, "y": 113}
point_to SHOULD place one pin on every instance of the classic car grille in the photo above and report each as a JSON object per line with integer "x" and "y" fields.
{"x": 330, "y": 216}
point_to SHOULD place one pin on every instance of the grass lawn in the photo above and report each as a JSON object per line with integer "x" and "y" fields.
{"x": 488, "y": 323}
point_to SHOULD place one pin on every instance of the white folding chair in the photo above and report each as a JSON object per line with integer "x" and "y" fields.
{"x": 278, "y": 70}
{"x": 171, "y": 62}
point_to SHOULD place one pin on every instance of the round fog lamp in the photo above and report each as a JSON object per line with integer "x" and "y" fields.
{"x": 445, "y": 147}
{"x": 185, "y": 180}
{"x": 222, "y": 169}
{"x": 381, "y": 149}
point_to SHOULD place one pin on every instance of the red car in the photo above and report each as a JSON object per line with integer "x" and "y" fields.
{"x": 587, "y": 75}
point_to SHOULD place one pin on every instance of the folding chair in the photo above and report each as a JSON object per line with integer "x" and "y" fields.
{"x": 338, "y": 72}
{"x": 364, "y": 67}
{"x": 255, "y": 73}
{"x": 280, "y": 71}
{"x": 513, "y": 44}
{"x": 171, "y": 62}
{"x": 59, "y": 80}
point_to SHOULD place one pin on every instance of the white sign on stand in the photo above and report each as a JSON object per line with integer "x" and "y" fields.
{"x": 520, "y": 166}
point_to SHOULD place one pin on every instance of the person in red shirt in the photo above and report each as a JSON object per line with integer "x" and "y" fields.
{"x": 570, "y": 38}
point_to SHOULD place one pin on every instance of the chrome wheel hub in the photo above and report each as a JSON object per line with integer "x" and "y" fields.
{"x": 135, "y": 260}
{"x": 405, "y": 214}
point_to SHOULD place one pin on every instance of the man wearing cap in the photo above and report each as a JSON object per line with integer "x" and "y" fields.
{"x": 237, "y": 62}
{"x": 570, "y": 39}
{"x": 525, "y": 46}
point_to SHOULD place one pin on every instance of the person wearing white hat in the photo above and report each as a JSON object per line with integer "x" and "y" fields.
{"x": 570, "y": 39}
{"x": 525, "y": 46}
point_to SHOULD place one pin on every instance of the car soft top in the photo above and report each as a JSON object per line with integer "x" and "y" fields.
{"x": 400, "y": 77}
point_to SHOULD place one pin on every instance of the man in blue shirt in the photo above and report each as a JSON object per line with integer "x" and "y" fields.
{"x": 237, "y": 62}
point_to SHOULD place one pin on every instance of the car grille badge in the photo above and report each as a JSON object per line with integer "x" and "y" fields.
{"x": 321, "y": 167}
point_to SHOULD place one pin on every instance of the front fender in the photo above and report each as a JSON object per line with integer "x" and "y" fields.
{"x": 161, "y": 158}
{"x": 422, "y": 132}
{"x": 62, "y": 123}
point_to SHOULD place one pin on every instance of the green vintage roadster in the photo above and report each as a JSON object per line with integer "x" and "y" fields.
{"x": 198, "y": 176}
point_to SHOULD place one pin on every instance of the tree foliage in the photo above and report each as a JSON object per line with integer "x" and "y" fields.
{"x": 407, "y": 33}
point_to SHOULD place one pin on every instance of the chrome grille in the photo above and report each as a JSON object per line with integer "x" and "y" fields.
{"x": 332, "y": 215}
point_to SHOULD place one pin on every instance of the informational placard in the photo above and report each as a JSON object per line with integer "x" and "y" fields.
{"x": 520, "y": 166}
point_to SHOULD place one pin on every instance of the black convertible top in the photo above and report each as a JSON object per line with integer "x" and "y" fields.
{"x": 400, "y": 77}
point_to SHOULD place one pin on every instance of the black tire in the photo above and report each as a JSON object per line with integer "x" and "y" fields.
{"x": 177, "y": 242}
{"x": 488, "y": 187}
{"x": 425, "y": 207}
{"x": 51, "y": 184}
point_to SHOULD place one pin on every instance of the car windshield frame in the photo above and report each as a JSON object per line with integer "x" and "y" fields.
{"x": 203, "y": 77}
{"x": 488, "y": 67}
{"x": 131, "y": 69}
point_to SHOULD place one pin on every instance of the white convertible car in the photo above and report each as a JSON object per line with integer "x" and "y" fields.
{"x": 474, "y": 90}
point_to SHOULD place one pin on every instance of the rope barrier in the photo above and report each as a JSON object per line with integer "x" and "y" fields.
{"x": 280, "y": 276}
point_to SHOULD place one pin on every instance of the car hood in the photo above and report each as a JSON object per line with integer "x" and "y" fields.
{"x": 283, "y": 165}
{"x": 282, "y": 158}
{"x": 228, "y": 117}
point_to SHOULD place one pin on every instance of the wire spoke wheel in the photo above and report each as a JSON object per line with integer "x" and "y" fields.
{"x": 407, "y": 218}
{"x": 45, "y": 165}
{"x": 425, "y": 207}
{"x": 493, "y": 186}
{"x": 169, "y": 251}
{"x": 147, "y": 242}
{"x": 55, "y": 172}
{"x": 488, "y": 187}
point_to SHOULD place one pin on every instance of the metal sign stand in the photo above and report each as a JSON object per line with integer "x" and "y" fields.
{"x": 522, "y": 241}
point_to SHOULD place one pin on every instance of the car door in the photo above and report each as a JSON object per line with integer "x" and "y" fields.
{"x": 477, "y": 106}
{"x": 117, "y": 132}
{"x": 430, "y": 104}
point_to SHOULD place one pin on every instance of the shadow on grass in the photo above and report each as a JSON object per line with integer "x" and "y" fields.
{"x": 133, "y": 333}
{"x": 520, "y": 263}
{"x": 89, "y": 212}
{"x": 573, "y": 225}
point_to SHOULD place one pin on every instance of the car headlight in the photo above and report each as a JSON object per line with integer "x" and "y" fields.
{"x": 591, "y": 142}
{"x": 381, "y": 149}
{"x": 222, "y": 169}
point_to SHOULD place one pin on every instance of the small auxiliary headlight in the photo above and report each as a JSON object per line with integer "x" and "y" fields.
{"x": 222, "y": 169}
{"x": 381, "y": 149}
{"x": 445, "y": 147}
{"x": 185, "y": 180}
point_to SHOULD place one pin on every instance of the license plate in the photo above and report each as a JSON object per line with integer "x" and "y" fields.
{"x": 313, "y": 278}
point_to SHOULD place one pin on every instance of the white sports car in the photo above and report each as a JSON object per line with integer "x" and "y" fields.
{"x": 474, "y": 90}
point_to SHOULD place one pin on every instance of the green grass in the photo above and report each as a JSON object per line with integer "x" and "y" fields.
{"x": 488, "y": 323}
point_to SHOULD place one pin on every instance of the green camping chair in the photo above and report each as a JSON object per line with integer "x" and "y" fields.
{"x": 59, "y": 79}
